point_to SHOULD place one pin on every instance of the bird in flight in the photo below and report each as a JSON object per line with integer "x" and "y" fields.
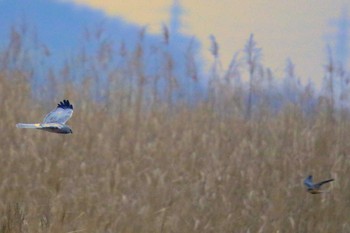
{"x": 55, "y": 121}
{"x": 314, "y": 188}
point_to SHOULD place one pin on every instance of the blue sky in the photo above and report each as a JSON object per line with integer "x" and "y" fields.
{"x": 66, "y": 29}
{"x": 299, "y": 30}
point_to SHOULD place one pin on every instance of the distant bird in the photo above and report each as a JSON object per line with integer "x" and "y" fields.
{"x": 54, "y": 121}
{"x": 314, "y": 188}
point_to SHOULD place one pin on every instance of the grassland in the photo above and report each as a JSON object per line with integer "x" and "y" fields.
{"x": 133, "y": 165}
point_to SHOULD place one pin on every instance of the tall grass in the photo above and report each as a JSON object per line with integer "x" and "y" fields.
{"x": 171, "y": 167}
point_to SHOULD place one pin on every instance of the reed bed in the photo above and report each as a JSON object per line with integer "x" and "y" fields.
{"x": 138, "y": 164}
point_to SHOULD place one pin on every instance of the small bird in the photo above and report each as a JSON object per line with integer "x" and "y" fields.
{"x": 54, "y": 122}
{"x": 314, "y": 188}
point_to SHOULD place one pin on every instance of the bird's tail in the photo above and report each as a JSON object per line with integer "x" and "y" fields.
{"x": 28, "y": 126}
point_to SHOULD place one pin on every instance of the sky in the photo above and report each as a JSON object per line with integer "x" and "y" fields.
{"x": 298, "y": 29}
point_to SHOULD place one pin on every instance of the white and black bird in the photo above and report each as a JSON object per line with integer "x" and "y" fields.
{"x": 55, "y": 121}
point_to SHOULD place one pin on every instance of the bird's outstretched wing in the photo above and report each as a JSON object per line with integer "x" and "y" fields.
{"x": 61, "y": 114}
{"x": 323, "y": 182}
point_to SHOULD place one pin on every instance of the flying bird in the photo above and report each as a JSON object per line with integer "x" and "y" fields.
{"x": 55, "y": 121}
{"x": 314, "y": 188}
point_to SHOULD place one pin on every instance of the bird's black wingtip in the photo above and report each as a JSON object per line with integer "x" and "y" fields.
{"x": 65, "y": 104}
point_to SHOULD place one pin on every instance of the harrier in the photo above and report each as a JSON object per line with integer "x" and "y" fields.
{"x": 314, "y": 188}
{"x": 55, "y": 121}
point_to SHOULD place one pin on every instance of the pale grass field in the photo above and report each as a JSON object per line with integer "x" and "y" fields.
{"x": 168, "y": 168}
{"x": 188, "y": 171}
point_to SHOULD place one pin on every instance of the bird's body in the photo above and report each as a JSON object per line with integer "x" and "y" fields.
{"x": 54, "y": 122}
{"x": 315, "y": 188}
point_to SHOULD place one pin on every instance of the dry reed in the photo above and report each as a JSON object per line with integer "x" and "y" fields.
{"x": 131, "y": 168}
